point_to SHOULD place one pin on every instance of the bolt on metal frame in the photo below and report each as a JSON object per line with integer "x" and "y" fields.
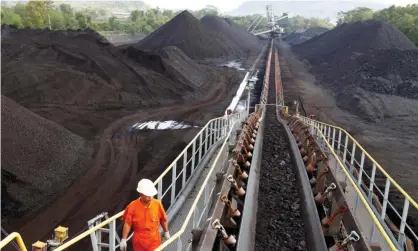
{"x": 354, "y": 160}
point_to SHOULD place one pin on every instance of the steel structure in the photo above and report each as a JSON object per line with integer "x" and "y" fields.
{"x": 273, "y": 27}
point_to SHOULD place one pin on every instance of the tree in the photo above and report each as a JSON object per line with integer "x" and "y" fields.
{"x": 208, "y": 10}
{"x": 57, "y": 20}
{"x": 136, "y": 15}
{"x": 83, "y": 20}
{"x": 36, "y": 14}
{"x": 113, "y": 23}
{"x": 11, "y": 18}
{"x": 69, "y": 18}
{"x": 357, "y": 14}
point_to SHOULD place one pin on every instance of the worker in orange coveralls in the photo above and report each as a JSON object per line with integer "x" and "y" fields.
{"x": 143, "y": 216}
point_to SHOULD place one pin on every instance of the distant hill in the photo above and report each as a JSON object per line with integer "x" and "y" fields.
{"x": 109, "y": 6}
{"x": 319, "y": 9}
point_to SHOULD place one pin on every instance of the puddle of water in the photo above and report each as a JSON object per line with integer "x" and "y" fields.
{"x": 234, "y": 64}
{"x": 160, "y": 125}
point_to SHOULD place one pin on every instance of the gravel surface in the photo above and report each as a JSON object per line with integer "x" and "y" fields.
{"x": 279, "y": 225}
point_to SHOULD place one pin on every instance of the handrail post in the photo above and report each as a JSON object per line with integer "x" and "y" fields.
{"x": 402, "y": 239}
{"x": 385, "y": 199}
{"x": 193, "y": 155}
{"x": 372, "y": 182}
{"x": 173, "y": 183}
{"x": 183, "y": 183}
{"x": 200, "y": 146}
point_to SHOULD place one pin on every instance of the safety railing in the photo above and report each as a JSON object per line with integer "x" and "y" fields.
{"x": 198, "y": 212}
{"x": 369, "y": 177}
{"x": 173, "y": 180}
{"x": 11, "y": 237}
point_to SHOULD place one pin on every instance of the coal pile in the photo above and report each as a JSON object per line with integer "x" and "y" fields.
{"x": 236, "y": 33}
{"x": 397, "y": 76}
{"x": 363, "y": 56}
{"x": 77, "y": 68}
{"x": 279, "y": 225}
{"x": 196, "y": 40}
{"x": 173, "y": 64}
{"x": 81, "y": 81}
{"x": 346, "y": 40}
{"x": 39, "y": 158}
{"x": 303, "y": 36}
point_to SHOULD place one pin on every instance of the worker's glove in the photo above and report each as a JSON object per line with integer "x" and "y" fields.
{"x": 123, "y": 244}
{"x": 167, "y": 235}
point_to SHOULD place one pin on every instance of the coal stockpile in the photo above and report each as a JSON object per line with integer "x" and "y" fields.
{"x": 279, "y": 225}
{"x": 196, "y": 40}
{"x": 397, "y": 76}
{"x": 78, "y": 68}
{"x": 234, "y": 32}
{"x": 348, "y": 40}
{"x": 301, "y": 37}
{"x": 173, "y": 64}
{"x": 363, "y": 56}
{"x": 81, "y": 81}
{"x": 39, "y": 158}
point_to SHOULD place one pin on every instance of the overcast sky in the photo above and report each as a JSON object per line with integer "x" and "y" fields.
{"x": 227, "y": 5}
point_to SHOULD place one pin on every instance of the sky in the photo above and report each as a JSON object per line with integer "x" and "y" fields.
{"x": 228, "y": 5}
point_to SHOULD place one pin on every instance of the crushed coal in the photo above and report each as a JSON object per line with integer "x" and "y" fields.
{"x": 195, "y": 39}
{"x": 77, "y": 68}
{"x": 236, "y": 33}
{"x": 279, "y": 225}
{"x": 347, "y": 40}
{"x": 301, "y": 36}
{"x": 81, "y": 81}
{"x": 360, "y": 58}
{"x": 173, "y": 64}
{"x": 38, "y": 158}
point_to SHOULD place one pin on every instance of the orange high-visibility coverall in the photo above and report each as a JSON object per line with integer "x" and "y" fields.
{"x": 145, "y": 222}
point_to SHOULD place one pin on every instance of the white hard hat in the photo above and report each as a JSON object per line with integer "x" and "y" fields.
{"x": 146, "y": 187}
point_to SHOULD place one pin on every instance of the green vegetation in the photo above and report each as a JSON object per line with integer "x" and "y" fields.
{"x": 97, "y": 15}
{"x": 404, "y": 18}
{"x": 59, "y": 16}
